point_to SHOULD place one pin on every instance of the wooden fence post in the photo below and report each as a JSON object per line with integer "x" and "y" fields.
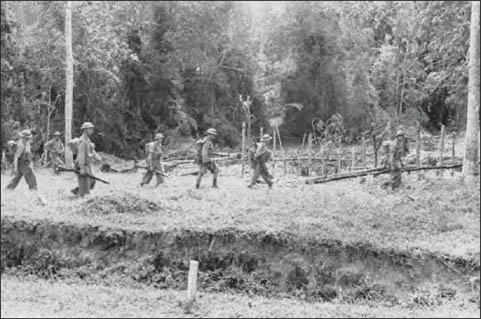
{"x": 309, "y": 154}
{"x": 321, "y": 152}
{"x": 339, "y": 155}
{"x": 364, "y": 152}
{"x": 418, "y": 147}
{"x": 353, "y": 159}
{"x": 453, "y": 149}
{"x": 281, "y": 148}
{"x": 192, "y": 281}
{"x": 274, "y": 148}
{"x": 441, "y": 151}
{"x": 243, "y": 147}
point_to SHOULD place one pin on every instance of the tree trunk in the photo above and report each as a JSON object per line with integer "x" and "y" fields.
{"x": 471, "y": 153}
{"x": 69, "y": 84}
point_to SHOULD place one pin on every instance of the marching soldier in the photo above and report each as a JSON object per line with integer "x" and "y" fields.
{"x": 262, "y": 156}
{"x": 399, "y": 148}
{"x": 85, "y": 152}
{"x": 22, "y": 162}
{"x": 154, "y": 161}
{"x": 56, "y": 148}
{"x": 206, "y": 162}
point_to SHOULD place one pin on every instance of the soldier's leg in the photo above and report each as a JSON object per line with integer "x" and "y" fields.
{"x": 255, "y": 175}
{"x": 266, "y": 176}
{"x": 147, "y": 177}
{"x": 30, "y": 178}
{"x": 83, "y": 185}
{"x": 160, "y": 179}
{"x": 14, "y": 182}
{"x": 215, "y": 172}
{"x": 395, "y": 179}
{"x": 201, "y": 173}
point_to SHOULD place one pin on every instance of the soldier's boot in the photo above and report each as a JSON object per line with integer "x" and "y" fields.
{"x": 214, "y": 182}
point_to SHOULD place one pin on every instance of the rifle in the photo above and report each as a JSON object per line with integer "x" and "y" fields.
{"x": 155, "y": 170}
{"x": 63, "y": 169}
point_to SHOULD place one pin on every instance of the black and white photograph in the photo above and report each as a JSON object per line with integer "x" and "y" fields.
{"x": 240, "y": 159}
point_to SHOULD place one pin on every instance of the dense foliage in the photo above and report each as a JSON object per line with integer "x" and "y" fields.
{"x": 180, "y": 67}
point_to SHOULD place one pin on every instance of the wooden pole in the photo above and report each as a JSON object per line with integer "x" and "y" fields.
{"x": 243, "y": 147}
{"x": 303, "y": 140}
{"x": 281, "y": 148}
{"x": 441, "y": 151}
{"x": 309, "y": 153}
{"x": 274, "y": 148}
{"x": 323, "y": 159}
{"x": 364, "y": 151}
{"x": 453, "y": 144}
{"x": 339, "y": 155}
{"x": 418, "y": 147}
{"x": 192, "y": 281}
{"x": 353, "y": 160}
{"x": 69, "y": 74}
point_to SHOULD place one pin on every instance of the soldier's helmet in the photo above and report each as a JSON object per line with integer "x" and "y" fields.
{"x": 158, "y": 136}
{"x": 57, "y": 133}
{"x": 87, "y": 125}
{"x": 266, "y": 138}
{"x": 211, "y": 131}
{"x": 26, "y": 134}
{"x": 400, "y": 133}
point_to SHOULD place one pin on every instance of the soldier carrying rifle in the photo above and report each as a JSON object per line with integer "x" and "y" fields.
{"x": 22, "y": 162}
{"x": 261, "y": 157}
{"x": 83, "y": 162}
{"x": 154, "y": 161}
{"x": 56, "y": 148}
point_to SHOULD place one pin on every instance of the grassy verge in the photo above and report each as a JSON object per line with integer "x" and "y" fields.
{"x": 437, "y": 213}
{"x": 33, "y": 297}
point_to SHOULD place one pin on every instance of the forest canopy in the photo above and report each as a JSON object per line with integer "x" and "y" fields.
{"x": 180, "y": 67}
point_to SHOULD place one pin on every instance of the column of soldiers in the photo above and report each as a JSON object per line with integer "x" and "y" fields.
{"x": 84, "y": 151}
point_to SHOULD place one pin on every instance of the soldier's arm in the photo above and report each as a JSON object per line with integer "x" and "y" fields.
{"x": 62, "y": 148}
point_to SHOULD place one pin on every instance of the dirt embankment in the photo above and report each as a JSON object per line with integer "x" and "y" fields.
{"x": 259, "y": 263}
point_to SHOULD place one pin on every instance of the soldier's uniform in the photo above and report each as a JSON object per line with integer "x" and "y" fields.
{"x": 56, "y": 148}
{"x": 207, "y": 164}
{"x": 83, "y": 162}
{"x": 154, "y": 161}
{"x": 261, "y": 157}
{"x": 398, "y": 149}
{"x": 23, "y": 161}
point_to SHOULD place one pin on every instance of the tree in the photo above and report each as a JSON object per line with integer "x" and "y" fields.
{"x": 471, "y": 153}
{"x": 69, "y": 84}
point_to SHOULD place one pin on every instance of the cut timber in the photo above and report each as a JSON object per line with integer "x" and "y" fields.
{"x": 376, "y": 172}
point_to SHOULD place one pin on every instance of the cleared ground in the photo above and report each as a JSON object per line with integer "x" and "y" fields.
{"x": 33, "y": 297}
{"x": 436, "y": 213}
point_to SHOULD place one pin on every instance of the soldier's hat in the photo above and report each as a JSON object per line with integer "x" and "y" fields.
{"x": 87, "y": 125}
{"x": 399, "y": 133}
{"x": 211, "y": 131}
{"x": 57, "y": 133}
{"x": 265, "y": 138}
{"x": 26, "y": 134}
{"x": 158, "y": 136}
